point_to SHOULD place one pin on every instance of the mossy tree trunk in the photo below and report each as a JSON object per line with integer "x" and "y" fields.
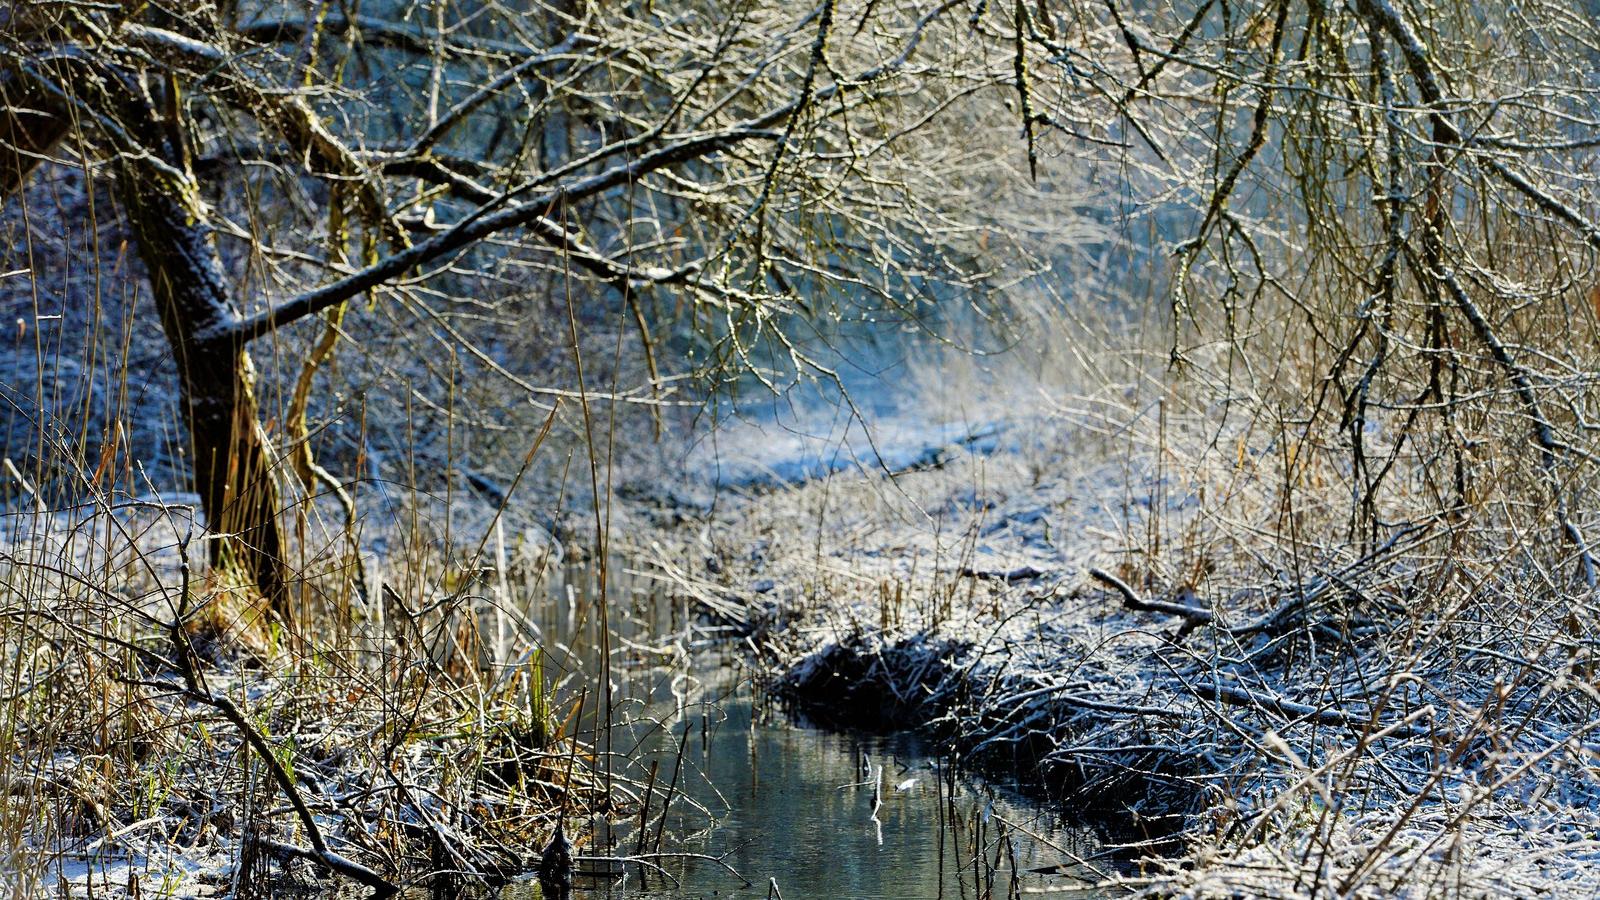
{"x": 232, "y": 462}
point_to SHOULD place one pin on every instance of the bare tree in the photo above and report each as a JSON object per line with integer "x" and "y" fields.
{"x": 752, "y": 160}
{"x": 1385, "y": 224}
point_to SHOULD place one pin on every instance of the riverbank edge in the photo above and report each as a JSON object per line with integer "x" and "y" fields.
{"x": 1141, "y": 805}
{"x": 1249, "y": 779}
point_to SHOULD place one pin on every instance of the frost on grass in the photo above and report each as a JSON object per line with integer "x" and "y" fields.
{"x": 1412, "y": 713}
{"x": 140, "y": 703}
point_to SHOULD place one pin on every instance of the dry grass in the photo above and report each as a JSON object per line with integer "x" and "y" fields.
{"x": 418, "y": 744}
{"x": 1339, "y": 475}
{"x": 1310, "y": 702}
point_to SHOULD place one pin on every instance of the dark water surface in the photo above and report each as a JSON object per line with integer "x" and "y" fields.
{"x": 792, "y": 809}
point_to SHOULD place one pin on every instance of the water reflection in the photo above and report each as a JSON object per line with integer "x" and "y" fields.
{"x": 795, "y": 811}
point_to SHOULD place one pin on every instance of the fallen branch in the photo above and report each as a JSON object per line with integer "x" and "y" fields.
{"x": 1291, "y": 612}
{"x": 185, "y": 661}
{"x": 1289, "y": 709}
{"x": 1131, "y": 599}
{"x": 1020, "y": 573}
{"x": 335, "y": 863}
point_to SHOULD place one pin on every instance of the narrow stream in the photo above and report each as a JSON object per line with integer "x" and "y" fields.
{"x": 764, "y": 804}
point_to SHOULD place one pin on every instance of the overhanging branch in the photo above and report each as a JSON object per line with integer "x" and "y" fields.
{"x": 491, "y": 218}
{"x": 1416, "y": 54}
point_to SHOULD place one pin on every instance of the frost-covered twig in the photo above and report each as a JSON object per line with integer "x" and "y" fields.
{"x": 1132, "y": 600}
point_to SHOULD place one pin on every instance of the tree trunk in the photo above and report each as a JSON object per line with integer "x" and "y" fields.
{"x": 232, "y": 460}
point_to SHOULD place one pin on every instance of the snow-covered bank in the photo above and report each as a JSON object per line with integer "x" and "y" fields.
{"x": 1309, "y": 717}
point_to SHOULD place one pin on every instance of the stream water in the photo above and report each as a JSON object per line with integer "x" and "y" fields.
{"x": 763, "y": 804}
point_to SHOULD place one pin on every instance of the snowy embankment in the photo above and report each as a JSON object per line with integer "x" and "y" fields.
{"x": 1251, "y": 715}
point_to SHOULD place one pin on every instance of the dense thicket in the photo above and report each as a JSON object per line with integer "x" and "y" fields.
{"x": 1353, "y": 238}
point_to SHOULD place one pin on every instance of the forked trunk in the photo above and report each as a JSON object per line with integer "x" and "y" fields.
{"x": 232, "y": 462}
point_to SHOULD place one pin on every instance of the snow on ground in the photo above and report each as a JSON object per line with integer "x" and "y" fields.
{"x": 1344, "y": 723}
{"x": 1262, "y": 718}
